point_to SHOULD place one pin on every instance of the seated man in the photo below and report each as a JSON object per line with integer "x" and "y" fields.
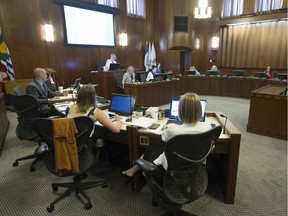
{"x": 38, "y": 88}
{"x": 151, "y": 73}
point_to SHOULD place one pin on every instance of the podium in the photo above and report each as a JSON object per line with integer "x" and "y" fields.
{"x": 268, "y": 111}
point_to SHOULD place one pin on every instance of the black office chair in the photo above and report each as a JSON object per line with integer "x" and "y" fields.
{"x": 186, "y": 178}
{"x": 118, "y": 77}
{"x": 87, "y": 158}
{"x": 19, "y": 90}
{"x": 26, "y": 107}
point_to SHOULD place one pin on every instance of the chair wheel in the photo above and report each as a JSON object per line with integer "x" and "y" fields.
{"x": 84, "y": 176}
{"x": 104, "y": 185}
{"x": 54, "y": 188}
{"x": 50, "y": 208}
{"x": 88, "y": 206}
{"x": 32, "y": 169}
{"x": 16, "y": 163}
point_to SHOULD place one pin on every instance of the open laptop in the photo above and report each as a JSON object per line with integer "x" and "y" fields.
{"x": 173, "y": 112}
{"x": 122, "y": 104}
{"x": 114, "y": 66}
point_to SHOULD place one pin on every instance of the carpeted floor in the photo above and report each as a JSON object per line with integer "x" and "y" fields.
{"x": 261, "y": 183}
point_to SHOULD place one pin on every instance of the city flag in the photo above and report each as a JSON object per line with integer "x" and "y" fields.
{"x": 6, "y": 66}
{"x": 153, "y": 55}
{"x": 150, "y": 54}
{"x": 146, "y": 56}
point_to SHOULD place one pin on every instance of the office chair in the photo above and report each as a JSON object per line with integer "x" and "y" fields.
{"x": 26, "y": 107}
{"x": 118, "y": 77}
{"x": 186, "y": 178}
{"x": 87, "y": 158}
{"x": 19, "y": 90}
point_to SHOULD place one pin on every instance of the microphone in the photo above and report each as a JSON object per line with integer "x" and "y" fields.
{"x": 129, "y": 119}
{"x": 223, "y": 116}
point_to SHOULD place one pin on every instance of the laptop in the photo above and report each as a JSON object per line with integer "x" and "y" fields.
{"x": 114, "y": 66}
{"x": 173, "y": 112}
{"x": 122, "y": 104}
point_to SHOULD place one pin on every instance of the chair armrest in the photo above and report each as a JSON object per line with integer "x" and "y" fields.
{"x": 146, "y": 165}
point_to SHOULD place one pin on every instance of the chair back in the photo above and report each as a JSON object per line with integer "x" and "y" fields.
{"x": 84, "y": 125}
{"x": 26, "y": 107}
{"x": 19, "y": 90}
{"x": 186, "y": 178}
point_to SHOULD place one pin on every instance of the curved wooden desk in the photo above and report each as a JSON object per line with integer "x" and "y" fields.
{"x": 159, "y": 93}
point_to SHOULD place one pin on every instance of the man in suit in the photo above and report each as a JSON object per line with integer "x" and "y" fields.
{"x": 39, "y": 89}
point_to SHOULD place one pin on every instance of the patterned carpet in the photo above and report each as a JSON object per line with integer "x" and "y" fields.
{"x": 261, "y": 184}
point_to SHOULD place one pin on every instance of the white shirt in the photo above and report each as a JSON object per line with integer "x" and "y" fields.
{"x": 108, "y": 62}
{"x": 174, "y": 129}
{"x": 150, "y": 76}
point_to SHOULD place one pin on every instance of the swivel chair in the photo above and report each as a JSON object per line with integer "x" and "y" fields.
{"x": 26, "y": 107}
{"x": 186, "y": 178}
{"x": 86, "y": 156}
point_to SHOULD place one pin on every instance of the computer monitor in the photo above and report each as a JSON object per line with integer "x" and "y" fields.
{"x": 211, "y": 73}
{"x": 260, "y": 74}
{"x": 174, "y": 102}
{"x": 282, "y": 76}
{"x": 238, "y": 73}
{"x": 189, "y": 72}
{"x": 114, "y": 66}
{"x": 122, "y": 104}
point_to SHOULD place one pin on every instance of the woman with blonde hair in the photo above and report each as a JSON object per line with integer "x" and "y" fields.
{"x": 189, "y": 112}
{"x": 86, "y": 105}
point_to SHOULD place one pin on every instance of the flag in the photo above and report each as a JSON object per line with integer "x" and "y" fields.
{"x": 146, "y": 56}
{"x": 153, "y": 55}
{"x": 149, "y": 55}
{"x": 6, "y": 66}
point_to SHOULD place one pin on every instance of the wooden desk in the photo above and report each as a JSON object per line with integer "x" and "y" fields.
{"x": 8, "y": 86}
{"x": 107, "y": 82}
{"x": 4, "y": 122}
{"x": 153, "y": 93}
{"x": 227, "y": 148}
{"x": 268, "y": 112}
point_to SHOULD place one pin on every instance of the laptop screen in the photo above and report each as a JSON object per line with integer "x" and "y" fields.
{"x": 114, "y": 66}
{"x": 174, "y": 108}
{"x": 122, "y": 104}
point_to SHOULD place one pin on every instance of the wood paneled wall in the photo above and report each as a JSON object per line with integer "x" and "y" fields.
{"x": 21, "y": 24}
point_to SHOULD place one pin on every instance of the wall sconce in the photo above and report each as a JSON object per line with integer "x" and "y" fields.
{"x": 48, "y": 31}
{"x": 123, "y": 39}
{"x": 215, "y": 44}
{"x": 203, "y": 11}
{"x": 197, "y": 43}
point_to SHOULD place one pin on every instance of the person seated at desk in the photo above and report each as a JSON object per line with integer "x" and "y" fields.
{"x": 50, "y": 82}
{"x": 197, "y": 73}
{"x": 159, "y": 70}
{"x": 86, "y": 105}
{"x": 214, "y": 68}
{"x": 151, "y": 73}
{"x": 129, "y": 76}
{"x": 269, "y": 73}
{"x": 39, "y": 89}
{"x": 190, "y": 114}
{"x": 110, "y": 61}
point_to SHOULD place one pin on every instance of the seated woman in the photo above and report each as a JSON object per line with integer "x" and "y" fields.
{"x": 86, "y": 104}
{"x": 190, "y": 114}
{"x": 269, "y": 73}
{"x": 197, "y": 73}
{"x": 129, "y": 76}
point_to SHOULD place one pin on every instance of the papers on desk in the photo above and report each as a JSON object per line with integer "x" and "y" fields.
{"x": 62, "y": 106}
{"x": 140, "y": 122}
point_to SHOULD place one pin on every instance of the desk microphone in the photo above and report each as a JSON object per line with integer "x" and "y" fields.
{"x": 129, "y": 119}
{"x": 223, "y": 116}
